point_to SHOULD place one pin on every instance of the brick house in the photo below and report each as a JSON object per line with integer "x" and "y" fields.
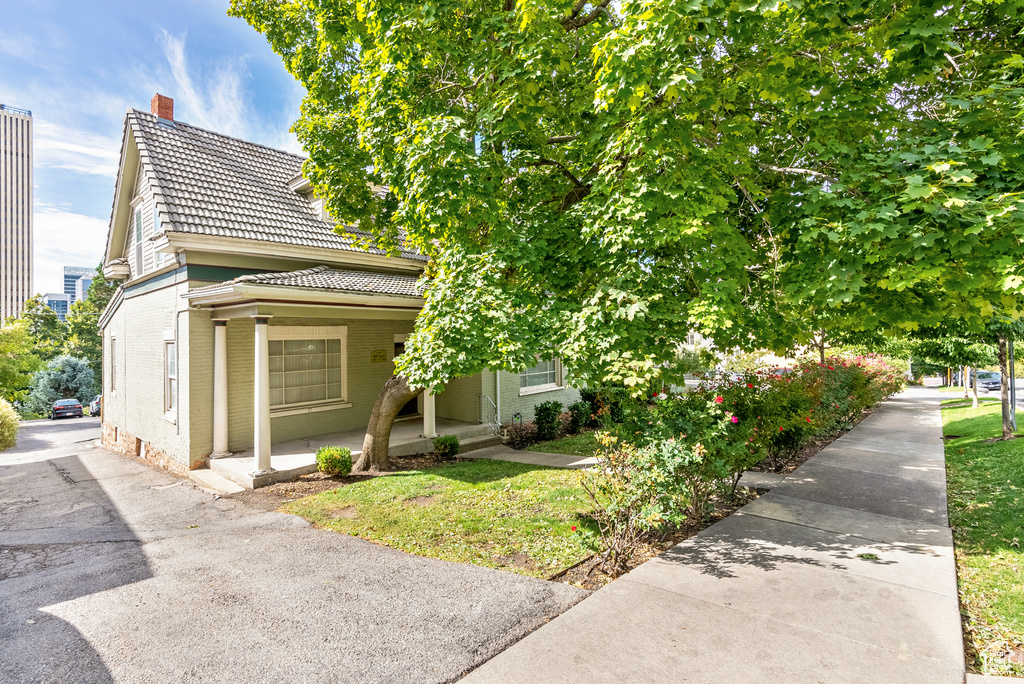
{"x": 243, "y": 321}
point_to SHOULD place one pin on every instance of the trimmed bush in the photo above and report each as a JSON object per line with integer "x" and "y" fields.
{"x": 9, "y": 423}
{"x": 334, "y": 461}
{"x": 547, "y": 418}
{"x": 446, "y": 446}
{"x": 579, "y": 416}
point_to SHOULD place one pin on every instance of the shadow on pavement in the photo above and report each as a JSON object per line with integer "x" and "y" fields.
{"x": 61, "y": 538}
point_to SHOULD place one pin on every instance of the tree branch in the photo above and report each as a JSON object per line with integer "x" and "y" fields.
{"x": 559, "y": 139}
{"x": 561, "y": 167}
{"x": 573, "y": 21}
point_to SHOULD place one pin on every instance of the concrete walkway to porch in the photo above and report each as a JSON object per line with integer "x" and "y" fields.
{"x": 504, "y": 453}
{"x": 298, "y": 456}
{"x": 844, "y": 572}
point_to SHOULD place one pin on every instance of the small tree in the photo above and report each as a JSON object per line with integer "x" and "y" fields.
{"x": 65, "y": 377}
{"x": 82, "y": 337}
{"x": 46, "y": 328}
{"x": 18, "y": 360}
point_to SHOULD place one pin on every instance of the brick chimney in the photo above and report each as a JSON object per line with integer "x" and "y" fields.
{"x": 162, "y": 106}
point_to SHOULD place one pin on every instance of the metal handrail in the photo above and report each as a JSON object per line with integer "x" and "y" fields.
{"x": 16, "y": 110}
{"x": 493, "y": 422}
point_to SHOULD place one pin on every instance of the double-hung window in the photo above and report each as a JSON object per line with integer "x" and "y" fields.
{"x": 158, "y": 257}
{"x": 170, "y": 377}
{"x": 546, "y": 375}
{"x": 113, "y": 364}
{"x": 139, "y": 267}
{"x": 307, "y": 366}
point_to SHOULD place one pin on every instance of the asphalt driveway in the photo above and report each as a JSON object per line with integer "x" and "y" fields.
{"x": 114, "y": 571}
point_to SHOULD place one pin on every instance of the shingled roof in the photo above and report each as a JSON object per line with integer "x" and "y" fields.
{"x": 330, "y": 279}
{"x": 213, "y": 184}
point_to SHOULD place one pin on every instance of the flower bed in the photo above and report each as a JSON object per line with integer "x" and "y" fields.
{"x": 671, "y": 456}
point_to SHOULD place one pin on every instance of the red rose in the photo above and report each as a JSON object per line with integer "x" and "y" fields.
{"x": 719, "y": 400}
{"x": 573, "y": 528}
{"x": 750, "y": 385}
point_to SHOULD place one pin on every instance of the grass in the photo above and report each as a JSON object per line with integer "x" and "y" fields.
{"x": 498, "y": 514}
{"x": 960, "y": 400}
{"x": 582, "y": 444}
{"x": 986, "y": 508}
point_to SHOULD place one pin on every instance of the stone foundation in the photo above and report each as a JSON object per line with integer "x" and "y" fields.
{"x": 124, "y": 442}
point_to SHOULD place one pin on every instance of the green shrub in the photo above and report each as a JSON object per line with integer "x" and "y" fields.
{"x": 579, "y": 416}
{"x": 9, "y": 423}
{"x": 334, "y": 461}
{"x": 547, "y": 418}
{"x": 446, "y": 446}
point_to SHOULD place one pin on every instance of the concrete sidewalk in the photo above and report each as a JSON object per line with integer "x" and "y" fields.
{"x": 504, "y": 453}
{"x": 842, "y": 573}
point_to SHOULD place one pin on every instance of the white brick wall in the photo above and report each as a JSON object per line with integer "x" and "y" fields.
{"x": 137, "y": 403}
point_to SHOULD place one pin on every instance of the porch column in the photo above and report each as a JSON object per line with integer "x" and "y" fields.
{"x": 220, "y": 389}
{"x": 261, "y": 398}
{"x": 429, "y": 420}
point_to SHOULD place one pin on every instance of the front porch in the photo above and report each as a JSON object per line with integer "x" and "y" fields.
{"x": 291, "y": 459}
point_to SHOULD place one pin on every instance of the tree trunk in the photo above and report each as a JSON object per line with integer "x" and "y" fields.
{"x": 395, "y": 394}
{"x": 963, "y": 379}
{"x": 1004, "y": 388}
{"x": 975, "y": 403}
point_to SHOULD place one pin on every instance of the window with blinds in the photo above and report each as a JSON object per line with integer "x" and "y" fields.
{"x": 544, "y": 373}
{"x": 306, "y": 370}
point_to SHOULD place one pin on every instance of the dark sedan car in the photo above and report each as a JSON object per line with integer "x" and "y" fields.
{"x": 989, "y": 380}
{"x": 65, "y": 408}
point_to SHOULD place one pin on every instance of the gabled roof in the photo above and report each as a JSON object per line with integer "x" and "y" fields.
{"x": 216, "y": 185}
{"x": 326, "y": 279}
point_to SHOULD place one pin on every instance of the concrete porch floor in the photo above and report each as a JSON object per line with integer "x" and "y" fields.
{"x": 298, "y": 456}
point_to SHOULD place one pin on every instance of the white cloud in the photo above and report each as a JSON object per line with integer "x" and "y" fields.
{"x": 63, "y": 238}
{"x": 214, "y": 100}
{"x": 59, "y": 147}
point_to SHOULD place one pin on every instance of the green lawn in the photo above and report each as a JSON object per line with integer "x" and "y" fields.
{"x": 511, "y": 516}
{"x": 582, "y": 444}
{"x": 986, "y": 508}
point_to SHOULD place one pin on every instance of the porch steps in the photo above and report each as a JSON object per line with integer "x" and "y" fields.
{"x": 469, "y": 439}
{"x": 481, "y": 442}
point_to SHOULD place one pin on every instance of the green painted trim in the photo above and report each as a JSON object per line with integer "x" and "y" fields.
{"x": 219, "y": 274}
{"x": 153, "y": 283}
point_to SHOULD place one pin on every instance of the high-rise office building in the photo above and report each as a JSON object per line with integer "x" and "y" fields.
{"x": 71, "y": 277}
{"x": 58, "y": 302}
{"x": 82, "y": 288}
{"x": 15, "y": 209}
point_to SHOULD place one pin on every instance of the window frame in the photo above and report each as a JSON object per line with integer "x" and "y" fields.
{"x": 558, "y": 384}
{"x": 312, "y": 332}
{"x": 171, "y": 384}
{"x": 113, "y": 364}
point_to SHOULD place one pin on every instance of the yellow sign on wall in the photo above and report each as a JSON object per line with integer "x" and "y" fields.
{"x": 378, "y": 356}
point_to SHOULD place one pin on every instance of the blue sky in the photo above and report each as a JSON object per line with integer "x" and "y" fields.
{"x": 78, "y": 65}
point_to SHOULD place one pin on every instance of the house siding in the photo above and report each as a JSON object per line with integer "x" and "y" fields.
{"x": 133, "y": 416}
{"x": 365, "y": 379}
{"x": 460, "y": 400}
{"x": 512, "y": 402}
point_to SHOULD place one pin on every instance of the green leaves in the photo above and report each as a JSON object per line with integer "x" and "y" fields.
{"x": 594, "y": 185}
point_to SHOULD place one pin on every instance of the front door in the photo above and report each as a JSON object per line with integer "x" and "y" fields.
{"x": 411, "y": 407}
